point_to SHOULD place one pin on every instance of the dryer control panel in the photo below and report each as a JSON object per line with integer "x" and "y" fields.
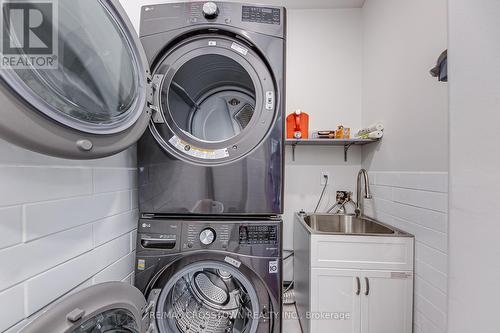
{"x": 261, "y": 14}
{"x": 268, "y": 20}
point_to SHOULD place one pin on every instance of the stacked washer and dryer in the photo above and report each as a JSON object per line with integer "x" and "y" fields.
{"x": 211, "y": 168}
{"x": 202, "y": 92}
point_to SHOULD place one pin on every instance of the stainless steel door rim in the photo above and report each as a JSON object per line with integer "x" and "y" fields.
{"x": 173, "y": 136}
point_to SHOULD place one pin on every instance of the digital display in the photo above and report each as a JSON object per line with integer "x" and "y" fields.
{"x": 261, "y": 15}
{"x": 258, "y": 234}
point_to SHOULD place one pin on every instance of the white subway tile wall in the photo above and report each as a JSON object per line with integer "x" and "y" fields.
{"x": 64, "y": 225}
{"x": 303, "y": 185}
{"x": 418, "y": 203}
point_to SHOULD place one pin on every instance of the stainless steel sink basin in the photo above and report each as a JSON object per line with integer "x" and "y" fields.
{"x": 345, "y": 224}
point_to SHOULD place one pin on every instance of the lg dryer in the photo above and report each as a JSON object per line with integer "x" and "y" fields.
{"x": 215, "y": 144}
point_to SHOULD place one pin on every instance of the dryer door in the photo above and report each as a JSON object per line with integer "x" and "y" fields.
{"x": 92, "y": 101}
{"x": 106, "y": 307}
{"x": 218, "y": 100}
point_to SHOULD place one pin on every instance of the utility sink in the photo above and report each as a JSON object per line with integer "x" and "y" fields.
{"x": 340, "y": 258}
{"x": 346, "y": 224}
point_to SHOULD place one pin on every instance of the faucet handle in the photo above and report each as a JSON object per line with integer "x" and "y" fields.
{"x": 357, "y": 212}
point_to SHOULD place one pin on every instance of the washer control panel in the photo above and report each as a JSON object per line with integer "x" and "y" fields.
{"x": 201, "y": 235}
{"x": 258, "y": 234}
{"x": 175, "y": 235}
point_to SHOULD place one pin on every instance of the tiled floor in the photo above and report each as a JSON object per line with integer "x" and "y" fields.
{"x": 290, "y": 321}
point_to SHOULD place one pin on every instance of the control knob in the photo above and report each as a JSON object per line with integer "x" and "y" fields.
{"x": 210, "y": 10}
{"x": 207, "y": 236}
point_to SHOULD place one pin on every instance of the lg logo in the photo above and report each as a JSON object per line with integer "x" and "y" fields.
{"x": 29, "y": 33}
{"x": 273, "y": 267}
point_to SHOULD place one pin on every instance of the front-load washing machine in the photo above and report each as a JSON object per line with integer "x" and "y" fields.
{"x": 192, "y": 276}
{"x": 211, "y": 275}
{"x": 215, "y": 143}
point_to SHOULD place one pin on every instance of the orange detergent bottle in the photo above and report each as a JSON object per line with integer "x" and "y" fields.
{"x": 297, "y": 125}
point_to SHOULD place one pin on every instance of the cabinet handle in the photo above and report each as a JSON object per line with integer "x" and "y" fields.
{"x": 367, "y": 292}
{"x": 358, "y": 282}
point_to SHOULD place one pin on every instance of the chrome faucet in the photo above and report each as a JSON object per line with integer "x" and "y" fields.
{"x": 344, "y": 198}
{"x": 359, "y": 202}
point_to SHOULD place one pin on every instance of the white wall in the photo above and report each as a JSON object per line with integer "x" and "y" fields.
{"x": 324, "y": 58}
{"x": 474, "y": 166}
{"x": 402, "y": 40}
{"x": 324, "y": 52}
{"x": 63, "y": 225}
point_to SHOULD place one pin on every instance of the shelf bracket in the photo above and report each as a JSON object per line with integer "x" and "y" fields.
{"x": 293, "y": 151}
{"x": 346, "y": 149}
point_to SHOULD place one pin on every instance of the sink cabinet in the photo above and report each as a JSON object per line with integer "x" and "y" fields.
{"x": 334, "y": 292}
{"x": 353, "y": 284}
{"x": 360, "y": 301}
{"x": 388, "y": 307}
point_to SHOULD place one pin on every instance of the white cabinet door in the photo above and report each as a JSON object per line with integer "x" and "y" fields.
{"x": 386, "y": 302}
{"x": 335, "y": 303}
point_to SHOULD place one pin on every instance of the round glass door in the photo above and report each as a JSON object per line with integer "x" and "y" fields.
{"x": 208, "y": 297}
{"x": 111, "y": 321}
{"x": 96, "y": 85}
{"x": 112, "y": 307}
{"x": 90, "y": 100}
{"x": 217, "y": 98}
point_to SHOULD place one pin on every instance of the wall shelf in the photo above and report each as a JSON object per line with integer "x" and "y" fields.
{"x": 347, "y": 143}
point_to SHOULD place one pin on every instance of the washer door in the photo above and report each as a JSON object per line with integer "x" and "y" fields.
{"x": 209, "y": 296}
{"x": 106, "y": 307}
{"x": 93, "y": 104}
{"x": 217, "y": 100}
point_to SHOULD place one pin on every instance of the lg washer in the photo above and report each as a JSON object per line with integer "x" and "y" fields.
{"x": 211, "y": 275}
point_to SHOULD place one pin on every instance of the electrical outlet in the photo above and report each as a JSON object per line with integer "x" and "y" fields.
{"x": 324, "y": 177}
